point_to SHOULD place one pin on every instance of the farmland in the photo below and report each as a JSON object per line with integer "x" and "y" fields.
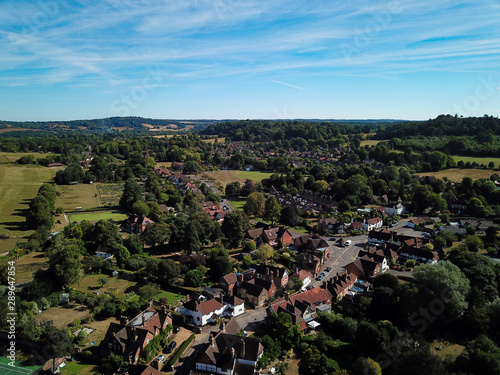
{"x": 370, "y": 142}
{"x": 81, "y": 195}
{"x": 456, "y": 174}
{"x": 28, "y": 264}
{"x": 11, "y": 157}
{"x": 479, "y": 160}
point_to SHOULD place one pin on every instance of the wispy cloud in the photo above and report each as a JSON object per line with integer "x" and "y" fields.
{"x": 287, "y": 84}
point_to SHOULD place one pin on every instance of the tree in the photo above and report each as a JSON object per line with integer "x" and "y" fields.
{"x": 191, "y": 242}
{"x": 218, "y": 262}
{"x": 140, "y": 208}
{"x": 473, "y": 243}
{"x": 272, "y": 209}
{"x": 264, "y": 252}
{"x": 194, "y": 278}
{"x": 56, "y": 343}
{"x": 476, "y": 208}
{"x": 366, "y": 366}
{"x": 289, "y": 216}
{"x": 441, "y": 284}
{"x": 234, "y": 227}
{"x": 481, "y": 356}
{"x": 254, "y": 204}
{"x": 132, "y": 193}
{"x": 102, "y": 281}
{"x": 284, "y": 330}
{"x": 148, "y": 291}
{"x": 103, "y": 233}
{"x": 64, "y": 261}
{"x": 168, "y": 272}
{"x": 156, "y": 234}
{"x": 233, "y": 189}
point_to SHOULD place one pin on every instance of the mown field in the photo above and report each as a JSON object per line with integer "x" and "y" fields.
{"x": 11, "y": 157}
{"x": 479, "y": 160}
{"x": 116, "y": 215}
{"x": 81, "y": 195}
{"x": 456, "y": 174}
{"x": 18, "y": 185}
{"x": 370, "y": 142}
{"x": 225, "y": 177}
{"x": 28, "y": 264}
{"x": 89, "y": 284}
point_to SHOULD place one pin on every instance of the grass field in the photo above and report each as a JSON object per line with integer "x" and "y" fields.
{"x": 100, "y": 327}
{"x": 64, "y": 315}
{"x": 109, "y": 194}
{"x": 78, "y": 368}
{"x": 19, "y": 369}
{"x": 11, "y": 157}
{"x": 172, "y": 297}
{"x": 370, "y": 142}
{"x": 479, "y": 160}
{"x": 28, "y": 264}
{"x": 237, "y": 204}
{"x": 212, "y": 140}
{"x": 225, "y": 177}
{"x": 456, "y": 174}
{"x": 18, "y": 185}
{"x": 116, "y": 215}
{"x": 81, "y": 195}
{"x": 89, "y": 283}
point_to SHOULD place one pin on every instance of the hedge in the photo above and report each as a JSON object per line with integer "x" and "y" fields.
{"x": 180, "y": 351}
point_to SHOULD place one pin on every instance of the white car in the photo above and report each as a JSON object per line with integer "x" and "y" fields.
{"x": 347, "y": 243}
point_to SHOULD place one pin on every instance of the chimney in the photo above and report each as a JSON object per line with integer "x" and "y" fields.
{"x": 164, "y": 309}
{"x": 287, "y": 295}
{"x": 130, "y": 359}
{"x": 134, "y": 331}
{"x": 239, "y": 277}
{"x": 220, "y": 297}
{"x": 242, "y": 354}
{"x": 195, "y": 305}
{"x": 187, "y": 297}
{"x": 150, "y": 303}
{"x": 143, "y": 319}
{"x": 223, "y": 326}
{"x": 211, "y": 339}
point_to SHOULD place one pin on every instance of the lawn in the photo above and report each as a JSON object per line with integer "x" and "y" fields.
{"x": 456, "y": 174}
{"x": 449, "y": 351}
{"x": 81, "y": 195}
{"x": 89, "y": 284}
{"x": 172, "y": 297}
{"x": 78, "y": 368}
{"x": 237, "y": 204}
{"x": 116, "y": 215}
{"x": 100, "y": 328}
{"x": 64, "y": 315}
{"x": 18, "y": 185}
{"x": 479, "y": 160}
{"x": 225, "y": 177}
{"x": 28, "y": 264}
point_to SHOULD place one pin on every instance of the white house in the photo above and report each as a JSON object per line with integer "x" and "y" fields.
{"x": 395, "y": 210}
{"x": 372, "y": 224}
{"x": 306, "y": 277}
{"x": 233, "y": 306}
{"x": 201, "y": 311}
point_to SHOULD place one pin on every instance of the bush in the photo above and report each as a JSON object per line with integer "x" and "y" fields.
{"x": 180, "y": 350}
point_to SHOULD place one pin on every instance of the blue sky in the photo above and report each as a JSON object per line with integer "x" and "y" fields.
{"x": 220, "y": 59}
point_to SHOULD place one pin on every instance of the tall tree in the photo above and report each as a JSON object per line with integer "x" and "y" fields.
{"x": 234, "y": 227}
{"x": 272, "y": 209}
{"x": 132, "y": 193}
{"x": 255, "y": 204}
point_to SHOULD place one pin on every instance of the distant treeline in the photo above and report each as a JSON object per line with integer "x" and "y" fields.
{"x": 100, "y": 125}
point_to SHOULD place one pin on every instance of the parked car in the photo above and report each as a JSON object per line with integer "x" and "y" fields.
{"x": 347, "y": 242}
{"x": 160, "y": 358}
{"x": 319, "y": 278}
{"x": 328, "y": 269}
{"x": 177, "y": 329}
{"x": 170, "y": 347}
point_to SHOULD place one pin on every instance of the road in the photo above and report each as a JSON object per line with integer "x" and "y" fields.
{"x": 224, "y": 202}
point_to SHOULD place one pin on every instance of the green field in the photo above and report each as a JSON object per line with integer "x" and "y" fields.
{"x": 172, "y": 297}
{"x": 479, "y": 160}
{"x": 370, "y": 142}
{"x": 225, "y": 177}
{"x": 254, "y": 176}
{"x": 116, "y": 215}
{"x": 81, "y": 195}
{"x": 89, "y": 284}
{"x": 457, "y": 174}
{"x": 18, "y": 185}
{"x": 11, "y": 157}
{"x": 237, "y": 204}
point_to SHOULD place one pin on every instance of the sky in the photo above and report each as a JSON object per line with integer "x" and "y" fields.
{"x": 246, "y": 59}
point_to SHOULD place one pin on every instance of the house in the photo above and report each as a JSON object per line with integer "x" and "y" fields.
{"x": 256, "y": 291}
{"x": 356, "y": 226}
{"x": 388, "y": 250}
{"x": 363, "y": 268}
{"x": 228, "y": 282}
{"x": 308, "y": 262}
{"x": 130, "y": 339}
{"x": 162, "y": 172}
{"x": 419, "y": 222}
{"x": 305, "y": 276}
{"x": 328, "y": 224}
{"x": 397, "y": 209}
{"x": 233, "y": 306}
{"x": 139, "y": 370}
{"x": 278, "y": 275}
{"x": 373, "y": 223}
{"x": 419, "y": 254}
{"x": 199, "y": 311}
{"x": 340, "y": 284}
{"x": 302, "y": 306}
{"x": 380, "y": 237}
{"x": 478, "y": 225}
{"x": 137, "y": 224}
{"x": 458, "y": 205}
{"x": 229, "y": 354}
{"x": 312, "y": 243}
{"x": 270, "y": 235}
{"x": 375, "y": 256}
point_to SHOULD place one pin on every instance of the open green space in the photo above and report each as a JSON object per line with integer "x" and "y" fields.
{"x": 370, "y": 142}
{"x": 28, "y": 264}
{"x": 457, "y": 174}
{"x": 78, "y": 368}
{"x": 172, "y": 297}
{"x": 81, "y": 195}
{"x": 18, "y": 185}
{"x": 225, "y": 177}
{"x": 237, "y": 204}
{"x": 115, "y": 215}
{"x": 479, "y": 160}
{"x": 252, "y": 175}
{"x": 89, "y": 284}
{"x": 11, "y": 157}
